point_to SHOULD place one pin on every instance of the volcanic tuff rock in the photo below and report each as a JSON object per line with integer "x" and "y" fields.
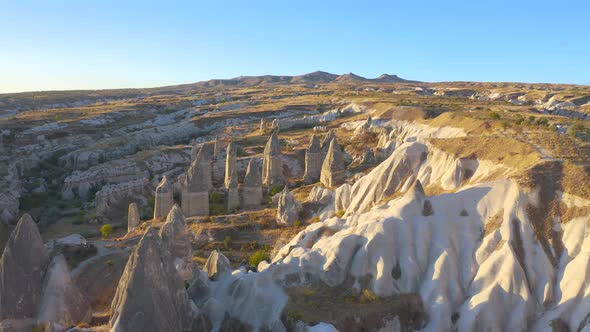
{"x": 233, "y": 195}
{"x": 230, "y": 164}
{"x": 288, "y": 208}
{"x": 313, "y": 160}
{"x": 272, "y": 167}
{"x": 195, "y": 199}
{"x": 132, "y": 217}
{"x": 150, "y": 295}
{"x": 252, "y": 187}
{"x": 327, "y": 140}
{"x": 217, "y": 266}
{"x": 176, "y": 239}
{"x": 22, "y": 268}
{"x": 62, "y": 303}
{"x": 333, "y": 168}
{"x": 164, "y": 198}
{"x": 110, "y": 198}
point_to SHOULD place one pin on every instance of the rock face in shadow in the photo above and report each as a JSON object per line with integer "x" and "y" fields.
{"x": 132, "y": 217}
{"x": 175, "y": 238}
{"x": 333, "y": 168}
{"x": 164, "y": 198}
{"x": 195, "y": 199}
{"x": 313, "y": 161}
{"x": 252, "y": 187}
{"x": 22, "y": 268}
{"x": 62, "y": 301}
{"x": 150, "y": 295}
{"x": 288, "y": 208}
{"x": 272, "y": 166}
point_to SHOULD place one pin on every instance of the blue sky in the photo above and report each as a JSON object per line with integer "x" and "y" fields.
{"x": 83, "y": 44}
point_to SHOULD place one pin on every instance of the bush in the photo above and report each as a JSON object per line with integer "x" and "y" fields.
{"x": 297, "y": 223}
{"x": 315, "y": 219}
{"x": 574, "y": 129}
{"x": 276, "y": 189}
{"x": 340, "y": 213}
{"x": 215, "y": 198}
{"x": 109, "y": 262}
{"x": 106, "y": 230}
{"x": 369, "y": 297}
{"x": 259, "y": 256}
{"x": 228, "y": 241}
{"x": 494, "y": 116}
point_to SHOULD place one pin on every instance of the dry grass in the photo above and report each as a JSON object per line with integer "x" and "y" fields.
{"x": 502, "y": 150}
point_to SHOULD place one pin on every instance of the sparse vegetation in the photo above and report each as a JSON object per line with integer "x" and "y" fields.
{"x": 106, "y": 230}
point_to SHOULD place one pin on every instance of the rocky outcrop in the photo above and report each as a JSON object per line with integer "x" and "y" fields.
{"x": 342, "y": 197}
{"x": 333, "y": 168}
{"x": 151, "y": 295}
{"x": 195, "y": 197}
{"x": 272, "y": 166}
{"x": 288, "y": 208}
{"x": 22, "y": 268}
{"x": 233, "y": 195}
{"x": 10, "y": 188}
{"x": 230, "y": 164}
{"x": 252, "y": 186}
{"x": 205, "y": 158}
{"x": 176, "y": 239}
{"x": 313, "y": 161}
{"x": 327, "y": 140}
{"x": 217, "y": 266}
{"x": 164, "y": 198}
{"x": 62, "y": 303}
{"x": 132, "y": 217}
{"x": 112, "y": 199}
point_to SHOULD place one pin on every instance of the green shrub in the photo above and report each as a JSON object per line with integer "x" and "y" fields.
{"x": 297, "y": 223}
{"x": 215, "y": 198}
{"x": 367, "y": 296}
{"x": 228, "y": 241}
{"x": 109, "y": 262}
{"x": 340, "y": 213}
{"x": 494, "y": 116}
{"x": 259, "y": 256}
{"x": 315, "y": 219}
{"x": 216, "y": 209}
{"x": 574, "y": 129}
{"x": 106, "y": 230}
{"x": 276, "y": 189}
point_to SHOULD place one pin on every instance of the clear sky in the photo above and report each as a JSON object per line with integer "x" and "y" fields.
{"x": 83, "y": 44}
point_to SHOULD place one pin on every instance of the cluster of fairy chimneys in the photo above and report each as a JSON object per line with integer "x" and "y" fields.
{"x": 323, "y": 162}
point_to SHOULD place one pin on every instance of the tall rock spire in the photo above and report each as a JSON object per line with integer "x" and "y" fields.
{"x": 230, "y": 163}
{"x": 195, "y": 199}
{"x": 313, "y": 161}
{"x": 333, "y": 168}
{"x": 151, "y": 295}
{"x": 22, "y": 267}
{"x": 164, "y": 198}
{"x": 272, "y": 166}
{"x": 132, "y": 217}
{"x": 252, "y": 186}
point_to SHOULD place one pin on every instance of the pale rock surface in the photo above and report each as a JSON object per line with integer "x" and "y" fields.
{"x": 22, "y": 268}
{"x": 342, "y": 197}
{"x": 62, "y": 303}
{"x": 272, "y": 167}
{"x": 288, "y": 208}
{"x": 164, "y": 198}
{"x": 176, "y": 239}
{"x": 132, "y": 217}
{"x": 150, "y": 295}
{"x": 217, "y": 266}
